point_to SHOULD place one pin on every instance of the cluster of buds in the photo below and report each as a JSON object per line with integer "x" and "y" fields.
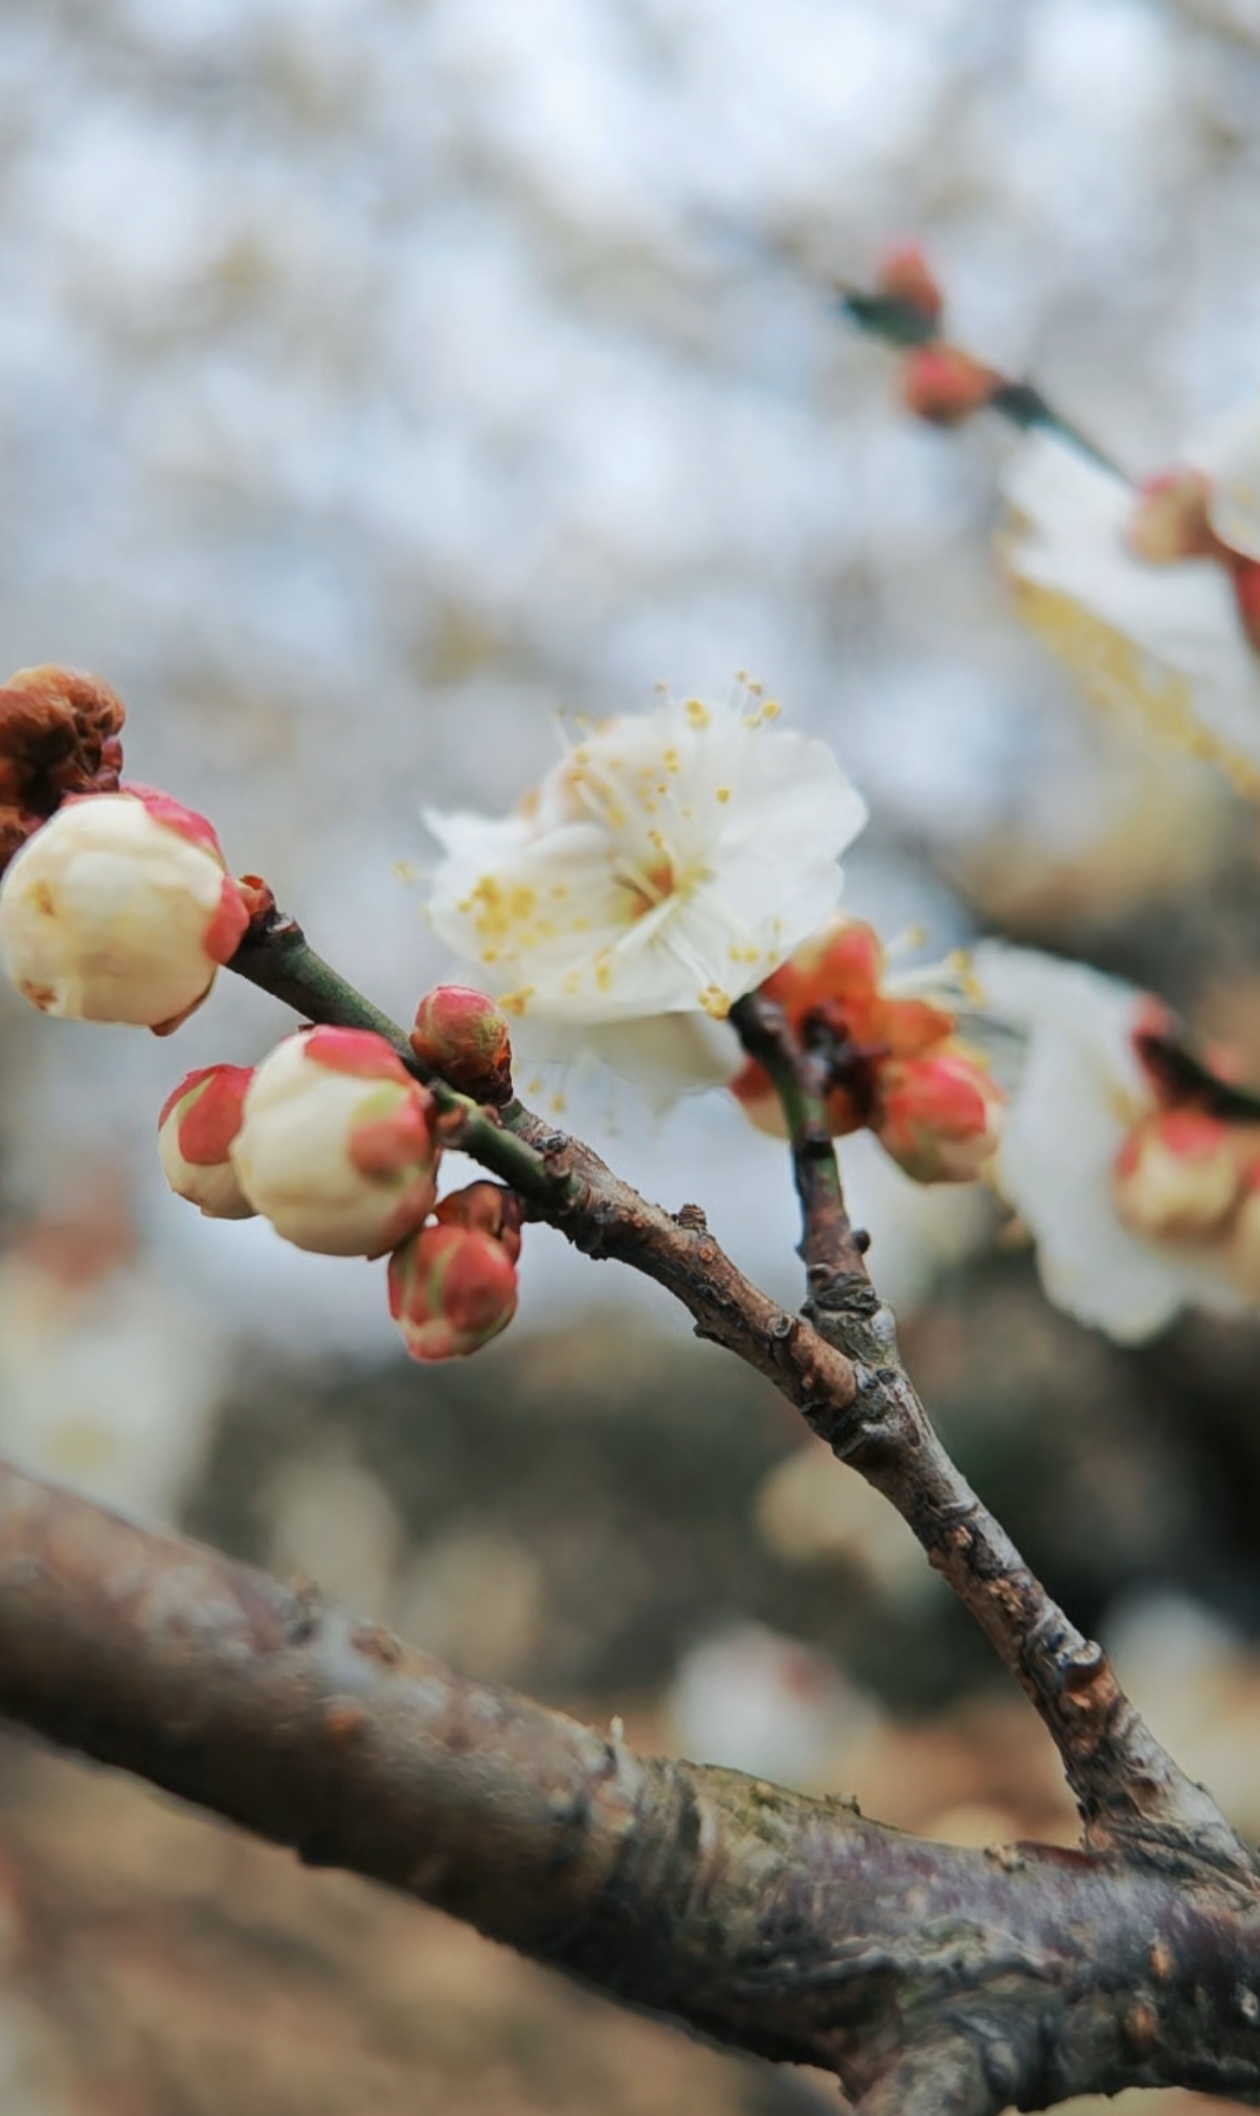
{"x": 116, "y": 905}
{"x": 335, "y": 1142}
{"x": 939, "y": 381}
{"x": 1188, "y": 1177}
{"x": 1189, "y": 513}
{"x": 894, "y": 1063}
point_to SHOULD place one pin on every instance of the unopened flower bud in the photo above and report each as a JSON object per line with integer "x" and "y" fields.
{"x": 451, "y": 1289}
{"x": 1178, "y": 1175}
{"x": 463, "y": 1035}
{"x": 120, "y": 909}
{"x": 489, "y": 1207}
{"x": 938, "y": 1116}
{"x": 198, "y": 1123}
{"x": 1170, "y": 518}
{"x": 336, "y": 1144}
{"x": 905, "y": 275}
{"x": 944, "y": 385}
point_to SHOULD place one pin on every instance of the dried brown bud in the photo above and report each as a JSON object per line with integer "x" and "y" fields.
{"x": 59, "y": 735}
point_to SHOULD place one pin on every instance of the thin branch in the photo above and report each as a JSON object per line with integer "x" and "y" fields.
{"x": 1126, "y": 1784}
{"x": 899, "y": 323}
{"x": 778, "y": 1924}
{"x": 831, "y": 1250}
{"x": 276, "y": 955}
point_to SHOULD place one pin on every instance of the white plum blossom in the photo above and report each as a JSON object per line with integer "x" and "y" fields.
{"x": 1168, "y": 636}
{"x": 1080, "y": 1092}
{"x": 119, "y": 908}
{"x": 335, "y": 1146}
{"x": 665, "y": 865}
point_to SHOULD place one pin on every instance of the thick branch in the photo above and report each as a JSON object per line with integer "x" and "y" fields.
{"x": 782, "y": 1925}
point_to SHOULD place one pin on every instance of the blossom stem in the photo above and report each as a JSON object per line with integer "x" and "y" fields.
{"x": 832, "y": 1250}
{"x": 276, "y": 955}
{"x": 900, "y": 323}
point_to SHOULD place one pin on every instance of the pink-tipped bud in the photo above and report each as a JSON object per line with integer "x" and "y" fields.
{"x": 905, "y": 275}
{"x": 336, "y": 1144}
{"x": 451, "y": 1289}
{"x": 1170, "y": 518}
{"x": 942, "y": 384}
{"x": 939, "y": 1116}
{"x": 120, "y": 909}
{"x": 1178, "y": 1175}
{"x": 198, "y": 1123}
{"x": 488, "y": 1207}
{"x": 462, "y": 1035}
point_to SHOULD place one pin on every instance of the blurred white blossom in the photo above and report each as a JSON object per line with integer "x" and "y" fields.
{"x": 1080, "y": 1093}
{"x": 1166, "y": 637}
{"x": 109, "y": 1379}
{"x": 756, "y": 1701}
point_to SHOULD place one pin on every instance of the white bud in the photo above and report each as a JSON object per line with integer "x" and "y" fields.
{"x": 119, "y": 908}
{"x": 336, "y": 1147}
{"x": 195, "y": 1132}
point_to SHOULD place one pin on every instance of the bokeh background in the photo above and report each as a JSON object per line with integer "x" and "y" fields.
{"x": 377, "y": 379}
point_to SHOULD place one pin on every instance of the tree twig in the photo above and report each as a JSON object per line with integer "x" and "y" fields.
{"x": 927, "y": 1977}
{"x": 899, "y": 323}
{"x": 1127, "y": 1786}
{"x": 832, "y": 1250}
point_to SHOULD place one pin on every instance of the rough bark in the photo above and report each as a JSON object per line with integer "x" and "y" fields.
{"x": 925, "y": 1976}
